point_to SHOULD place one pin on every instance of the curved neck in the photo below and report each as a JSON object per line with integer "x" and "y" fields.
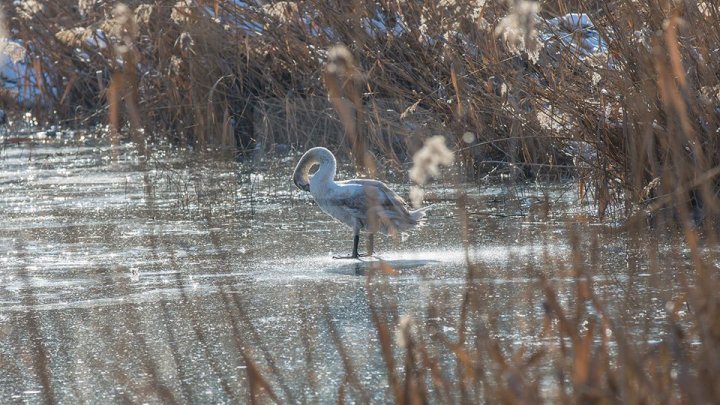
{"x": 324, "y": 175}
{"x": 328, "y": 166}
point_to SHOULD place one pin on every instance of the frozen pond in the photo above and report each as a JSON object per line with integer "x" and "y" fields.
{"x": 177, "y": 278}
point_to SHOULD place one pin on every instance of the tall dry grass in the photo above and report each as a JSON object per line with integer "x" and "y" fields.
{"x": 217, "y": 73}
{"x": 639, "y": 123}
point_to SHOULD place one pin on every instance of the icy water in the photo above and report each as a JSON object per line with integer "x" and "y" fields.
{"x": 173, "y": 279}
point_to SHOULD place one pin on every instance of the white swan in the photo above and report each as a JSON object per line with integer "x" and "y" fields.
{"x": 362, "y": 204}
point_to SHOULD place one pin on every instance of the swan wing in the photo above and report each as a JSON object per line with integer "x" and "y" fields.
{"x": 385, "y": 196}
{"x": 373, "y": 199}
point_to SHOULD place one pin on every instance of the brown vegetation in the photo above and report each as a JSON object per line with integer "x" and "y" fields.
{"x": 640, "y": 122}
{"x": 214, "y": 72}
{"x": 218, "y": 73}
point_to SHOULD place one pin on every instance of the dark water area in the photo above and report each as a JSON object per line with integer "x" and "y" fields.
{"x": 175, "y": 277}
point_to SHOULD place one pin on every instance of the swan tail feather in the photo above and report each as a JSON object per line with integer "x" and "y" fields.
{"x": 418, "y": 215}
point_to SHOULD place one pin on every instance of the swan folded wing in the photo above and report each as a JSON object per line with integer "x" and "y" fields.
{"x": 385, "y": 195}
{"x": 377, "y": 207}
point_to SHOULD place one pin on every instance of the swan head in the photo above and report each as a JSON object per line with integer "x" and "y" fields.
{"x": 314, "y": 156}
{"x": 303, "y": 183}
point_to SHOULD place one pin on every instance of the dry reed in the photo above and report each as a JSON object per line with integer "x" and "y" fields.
{"x": 640, "y": 121}
{"x": 219, "y": 73}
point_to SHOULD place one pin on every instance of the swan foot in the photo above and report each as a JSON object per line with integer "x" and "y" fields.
{"x": 355, "y": 254}
{"x": 358, "y": 256}
{"x": 349, "y": 257}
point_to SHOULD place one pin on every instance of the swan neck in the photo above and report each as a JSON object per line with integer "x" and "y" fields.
{"x": 325, "y": 173}
{"x": 327, "y": 170}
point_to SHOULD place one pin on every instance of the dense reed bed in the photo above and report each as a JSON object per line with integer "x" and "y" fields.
{"x": 623, "y": 89}
{"x": 635, "y": 118}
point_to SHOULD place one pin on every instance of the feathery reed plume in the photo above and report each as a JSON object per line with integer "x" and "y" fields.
{"x": 143, "y": 14}
{"x": 122, "y": 28}
{"x": 181, "y": 11}
{"x": 28, "y": 9}
{"x": 402, "y": 333}
{"x": 3, "y": 27}
{"x": 426, "y": 164}
{"x": 8, "y": 48}
{"x": 518, "y": 27}
{"x": 343, "y": 80}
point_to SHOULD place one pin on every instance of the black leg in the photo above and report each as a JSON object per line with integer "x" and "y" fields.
{"x": 356, "y": 241}
{"x": 355, "y": 255}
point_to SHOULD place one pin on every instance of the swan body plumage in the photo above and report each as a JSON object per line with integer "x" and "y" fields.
{"x": 362, "y": 204}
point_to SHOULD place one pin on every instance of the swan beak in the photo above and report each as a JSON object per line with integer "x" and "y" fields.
{"x": 301, "y": 186}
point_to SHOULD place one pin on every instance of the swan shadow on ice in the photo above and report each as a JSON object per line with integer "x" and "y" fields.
{"x": 362, "y": 267}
